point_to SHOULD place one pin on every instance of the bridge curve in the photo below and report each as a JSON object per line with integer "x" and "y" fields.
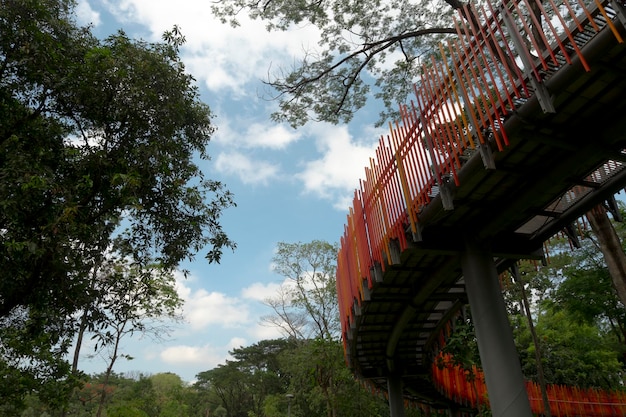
{"x": 504, "y": 146}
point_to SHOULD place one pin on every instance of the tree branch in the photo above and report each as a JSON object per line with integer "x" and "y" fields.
{"x": 369, "y": 49}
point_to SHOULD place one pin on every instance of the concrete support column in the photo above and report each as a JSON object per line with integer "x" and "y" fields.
{"x": 499, "y": 357}
{"x": 396, "y": 399}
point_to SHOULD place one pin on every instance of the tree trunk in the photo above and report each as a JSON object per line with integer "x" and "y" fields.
{"x": 531, "y": 326}
{"x": 79, "y": 343}
{"x": 109, "y": 370}
{"x": 611, "y": 248}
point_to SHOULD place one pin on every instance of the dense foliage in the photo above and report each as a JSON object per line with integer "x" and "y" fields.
{"x": 576, "y": 313}
{"x": 305, "y": 307}
{"x": 263, "y": 380}
{"x": 578, "y": 316}
{"x": 98, "y": 140}
{"x": 367, "y": 49}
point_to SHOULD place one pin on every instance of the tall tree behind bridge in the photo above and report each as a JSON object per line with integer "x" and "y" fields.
{"x": 305, "y": 306}
{"x": 611, "y": 247}
{"x": 98, "y": 143}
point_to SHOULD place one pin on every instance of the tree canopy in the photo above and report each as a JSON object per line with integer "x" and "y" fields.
{"x": 305, "y": 306}
{"x": 579, "y": 328}
{"x": 367, "y": 49}
{"x": 578, "y": 318}
{"x": 98, "y": 147}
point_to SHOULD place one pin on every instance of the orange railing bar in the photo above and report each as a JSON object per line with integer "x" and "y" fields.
{"x": 461, "y": 99}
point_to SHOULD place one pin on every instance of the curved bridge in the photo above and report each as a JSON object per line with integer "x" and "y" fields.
{"x": 512, "y": 136}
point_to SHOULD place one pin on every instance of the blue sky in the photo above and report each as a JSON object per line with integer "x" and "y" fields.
{"x": 289, "y": 185}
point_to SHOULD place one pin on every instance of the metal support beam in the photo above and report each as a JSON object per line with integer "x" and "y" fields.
{"x": 377, "y": 272}
{"x": 447, "y": 197}
{"x": 487, "y": 155}
{"x": 500, "y": 361}
{"x": 396, "y": 399}
{"x": 395, "y": 253}
{"x": 621, "y": 11}
{"x": 541, "y": 91}
{"x": 613, "y": 208}
{"x": 572, "y": 235}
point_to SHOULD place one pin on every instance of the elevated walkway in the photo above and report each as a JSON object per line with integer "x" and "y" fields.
{"x": 502, "y": 144}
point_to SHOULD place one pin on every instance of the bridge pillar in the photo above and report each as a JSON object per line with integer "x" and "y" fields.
{"x": 499, "y": 357}
{"x": 396, "y": 399}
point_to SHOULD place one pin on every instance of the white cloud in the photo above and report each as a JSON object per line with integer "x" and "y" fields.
{"x": 336, "y": 174}
{"x": 248, "y": 170}
{"x": 270, "y": 136}
{"x": 86, "y": 15}
{"x": 203, "y": 308}
{"x": 260, "y": 292}
{"x": 207, "y": 356}
{"x": 257, "y": 135}
{"x": 218, "y": 54}
{"x": 237, "y": 342}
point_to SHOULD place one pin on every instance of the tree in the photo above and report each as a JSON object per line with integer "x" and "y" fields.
{"x": 323, "y": 386}
{"x": 231, "y": 385}
{"x": 263, "y": 379}
{"x": 97, "y": 147}
{"x": 306, "y": 304}
{"x": 316, "y": 368}
{"x": 243, "y": 384}
{"x": 126, "y": 411}
{"x": 200, "y": 398}
{"x": 169, "y": 388}
{"x": 132, "y": 395}
{"x": 132, "y": 301}
{"x": 306, "y": 308}
{"x": 587, "y": 292}
{"x": 579, "y": 319}
{"x": 362, "y": 43}
{"x": 611, "y": 247}
{"x": 574, "y": 354}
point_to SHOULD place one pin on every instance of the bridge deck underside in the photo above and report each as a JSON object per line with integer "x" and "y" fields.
{"x": 516, "y": 207}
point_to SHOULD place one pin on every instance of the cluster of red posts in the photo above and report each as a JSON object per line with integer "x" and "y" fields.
{"x": 448, "y": 119}
{"x": 565, "y": 401}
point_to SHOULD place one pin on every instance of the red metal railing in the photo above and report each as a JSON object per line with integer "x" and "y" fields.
{"x": 455, "y": 383}
{"x": 503, "y": 54}
{"x": 468, "y": 388}
{"x": 461, "y": 102}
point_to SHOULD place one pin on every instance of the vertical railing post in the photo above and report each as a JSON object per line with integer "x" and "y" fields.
{"x": 484, "y": 148}
{"x": 444, "y": 188}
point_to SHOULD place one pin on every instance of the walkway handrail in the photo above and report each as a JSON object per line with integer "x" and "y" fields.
{"x": 461, "y": 104}
{"x": 454, "y": 383}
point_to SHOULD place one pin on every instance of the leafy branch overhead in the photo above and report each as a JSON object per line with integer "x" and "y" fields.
{"x": 368, "y": 49}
